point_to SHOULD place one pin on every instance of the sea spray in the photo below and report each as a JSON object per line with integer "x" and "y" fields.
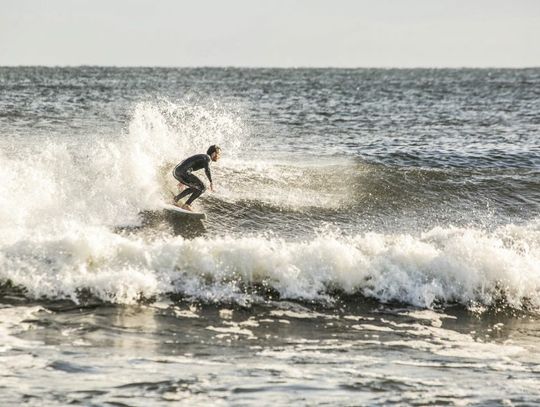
{"x": 441, "y": 266}
{"x": 107, "y": 182}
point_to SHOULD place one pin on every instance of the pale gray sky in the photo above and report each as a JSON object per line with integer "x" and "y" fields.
{"x": 280, "y": 33}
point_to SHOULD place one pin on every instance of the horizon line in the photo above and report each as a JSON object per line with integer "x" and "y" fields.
{"x": 260, "y": 67}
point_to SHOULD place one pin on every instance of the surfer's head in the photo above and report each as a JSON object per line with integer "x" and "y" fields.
{"x": 214, "y": 152}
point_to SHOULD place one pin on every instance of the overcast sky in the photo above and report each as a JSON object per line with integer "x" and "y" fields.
{"x": 276, "y": 33}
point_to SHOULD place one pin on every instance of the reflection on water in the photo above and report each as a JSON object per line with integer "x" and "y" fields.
{"x": 281, "y": 351}
{"x": 176, "y": 224}
{"x": 186, "y": 227}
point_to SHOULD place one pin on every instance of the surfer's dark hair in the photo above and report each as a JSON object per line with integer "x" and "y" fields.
{"x": 213, "y": 149}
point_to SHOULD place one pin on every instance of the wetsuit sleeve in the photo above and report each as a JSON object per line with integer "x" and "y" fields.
{"x": 207, "y": 171}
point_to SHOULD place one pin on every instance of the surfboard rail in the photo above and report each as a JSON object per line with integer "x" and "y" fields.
{"x": 183, "y": 212}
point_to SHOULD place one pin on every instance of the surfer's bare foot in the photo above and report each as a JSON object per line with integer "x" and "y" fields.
{"x": 187, "y": 208}
{"x": 178, "y": 204}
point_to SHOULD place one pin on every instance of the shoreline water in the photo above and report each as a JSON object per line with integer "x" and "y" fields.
{"x": 280, "y": 352}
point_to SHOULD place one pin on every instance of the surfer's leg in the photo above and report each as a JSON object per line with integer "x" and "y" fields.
{"x": 183, "y": 194}
{"x": 196, "y": 188}
{"x": 186, "y": 180}
{"x": 178, "y": 176}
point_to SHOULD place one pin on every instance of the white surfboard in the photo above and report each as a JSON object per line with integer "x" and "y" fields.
{"x": 183, "y": 212}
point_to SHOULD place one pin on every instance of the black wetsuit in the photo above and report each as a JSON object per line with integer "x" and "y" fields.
{"x": 182, "y": 172}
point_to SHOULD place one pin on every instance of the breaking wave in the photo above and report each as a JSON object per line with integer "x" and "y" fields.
{"x": 442, "y": 266}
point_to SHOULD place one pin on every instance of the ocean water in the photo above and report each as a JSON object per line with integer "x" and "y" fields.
{"x": 374, "y": 237}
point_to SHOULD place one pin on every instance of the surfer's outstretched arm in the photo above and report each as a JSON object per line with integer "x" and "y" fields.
{"x": 214, "y": 152}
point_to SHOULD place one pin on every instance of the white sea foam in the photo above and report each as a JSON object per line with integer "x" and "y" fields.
{"x": 446, "y": 265}
{"x": 231, "y": 330}
{"x": 295, "y": 186}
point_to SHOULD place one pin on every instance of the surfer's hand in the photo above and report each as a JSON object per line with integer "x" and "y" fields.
{"x": 212, "y": 187}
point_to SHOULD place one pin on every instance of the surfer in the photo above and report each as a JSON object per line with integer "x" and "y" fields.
{"x": 195, "y": 187}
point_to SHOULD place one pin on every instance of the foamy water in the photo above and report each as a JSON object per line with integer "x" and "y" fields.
{"x": 442, "y": 266}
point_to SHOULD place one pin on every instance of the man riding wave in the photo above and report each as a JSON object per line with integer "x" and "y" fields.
{"x": 195, "y": 187}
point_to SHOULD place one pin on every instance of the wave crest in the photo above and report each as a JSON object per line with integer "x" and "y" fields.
{"x": 442, "y": 266}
